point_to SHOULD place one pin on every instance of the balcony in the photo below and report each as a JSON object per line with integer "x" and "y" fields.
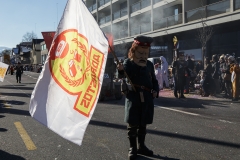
{"x": 140, "y": 29}
{"x": 119, "y": 14}
{"x": 105, "y": 20}
{"x": 140, "y": 5}
{"x": 102, "y": 2}
{"x": 92, "y": 8}
{"x": 237, "y": 4}
{"x": 167, "y": 22}
{"x": 208, "y": 11}
{"x": 121, "y": 34}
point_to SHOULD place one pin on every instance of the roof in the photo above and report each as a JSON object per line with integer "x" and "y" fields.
{"x": 37, "y": 41}
{"x": 15, "y": 50}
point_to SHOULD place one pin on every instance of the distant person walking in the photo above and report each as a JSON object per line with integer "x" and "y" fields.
{"x": 19, "y": 71}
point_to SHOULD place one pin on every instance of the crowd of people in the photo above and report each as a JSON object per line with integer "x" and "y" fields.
{"x": 217, "y": 75}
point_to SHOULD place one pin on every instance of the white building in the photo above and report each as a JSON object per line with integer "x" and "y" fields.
{"x": 163, "y": 19}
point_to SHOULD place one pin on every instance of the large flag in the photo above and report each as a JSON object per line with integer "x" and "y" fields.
{"x": 68, "y": 88}
{"x": 3, "y": 70}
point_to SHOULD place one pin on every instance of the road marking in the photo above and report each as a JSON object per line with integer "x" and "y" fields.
{"x": 25, "y": 137}
{"x": 221, "y": 120}
{"x": 194, "y": 114}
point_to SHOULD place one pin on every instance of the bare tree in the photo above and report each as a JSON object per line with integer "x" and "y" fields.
{"x": 27, "y": 37}
{"x": 204, "y": 31}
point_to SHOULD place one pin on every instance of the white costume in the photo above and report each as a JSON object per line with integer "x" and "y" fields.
{"x": 158, "y": 75}
{"x": 164, "y": 72}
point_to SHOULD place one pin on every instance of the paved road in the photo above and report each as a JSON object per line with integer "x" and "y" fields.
{"x": 195, "y": 128}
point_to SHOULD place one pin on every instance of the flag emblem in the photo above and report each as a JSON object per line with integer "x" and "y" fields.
{"x": 76, "y": 69}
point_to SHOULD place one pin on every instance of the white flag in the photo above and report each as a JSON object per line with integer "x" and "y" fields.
{"x": 67, "y": 90}
{"x": 3, "y": 70}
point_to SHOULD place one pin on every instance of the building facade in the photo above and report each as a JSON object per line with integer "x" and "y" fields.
{"x": 164, "y": 19}
{"x": 44, "y": 52}
{"x": 36, "y": 51}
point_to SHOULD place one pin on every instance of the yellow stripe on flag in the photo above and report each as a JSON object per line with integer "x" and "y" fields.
{"x": 25, "y": 137}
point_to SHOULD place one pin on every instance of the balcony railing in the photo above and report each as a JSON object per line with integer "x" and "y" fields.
{"x": 237, "y": 4}
{"x": 140, "y": 29}
{"x": 105, "y": 20}
{"x": 140, "y": 5}
{"x": 120, "y": 13}
{"x": 102, "y": 2}
{"x": 92, "y": 8}
{"x": 208, "y": 11}
{"x": 167, "y": 22}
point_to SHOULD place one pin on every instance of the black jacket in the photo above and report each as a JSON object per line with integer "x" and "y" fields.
{"x": 137, "y": 112}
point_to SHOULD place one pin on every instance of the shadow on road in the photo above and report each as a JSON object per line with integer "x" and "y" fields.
{"x": 15, "y": 94}
{"x": 140, "y": 157}
{"x": 2, "y": 116}
{"x": 168, "y": 134}
{"x": 3, "y": 130}
{"x": 14, "y": 111}
{"x": 5, "y": 155}
{"x": 19, "y": 87}
{"x": 12, "y": 102}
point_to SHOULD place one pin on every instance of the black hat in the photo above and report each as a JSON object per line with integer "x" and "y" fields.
{"x": 143, "y": 40}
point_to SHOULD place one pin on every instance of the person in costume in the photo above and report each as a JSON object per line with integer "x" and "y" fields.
{"x": 164, "y": 72}
{"x": 158, "y": 75}
{"x": 179, "y": 71}
{"x": 235, "y": 71}
{"x": 139, "y": 106}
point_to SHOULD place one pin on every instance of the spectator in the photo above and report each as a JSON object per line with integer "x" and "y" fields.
{"x": 164, "y": 72}
{"x": 190, "y": 66}
{"x": 158, "y": 75}
{"x": 207, "y": 83}
{"x": 216, "y": 74}
{"x": 199, "y": 66}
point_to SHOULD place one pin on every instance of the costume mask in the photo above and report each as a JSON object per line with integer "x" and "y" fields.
{"x": 140, "y": 56}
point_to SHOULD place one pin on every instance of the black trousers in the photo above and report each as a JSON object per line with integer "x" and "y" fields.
{"x": 18, "y": 77}
{"x": 135, "y": 130}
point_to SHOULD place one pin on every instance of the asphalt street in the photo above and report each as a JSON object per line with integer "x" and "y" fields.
{"x": 195, "y": 128}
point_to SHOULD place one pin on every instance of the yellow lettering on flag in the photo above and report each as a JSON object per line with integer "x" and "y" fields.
{"x": 2, "y": 72}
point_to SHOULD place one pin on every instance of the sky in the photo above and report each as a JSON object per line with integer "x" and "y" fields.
{"x": 19, "y": 17}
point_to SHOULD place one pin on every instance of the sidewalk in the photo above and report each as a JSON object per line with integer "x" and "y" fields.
{"x": 168, "y": 93}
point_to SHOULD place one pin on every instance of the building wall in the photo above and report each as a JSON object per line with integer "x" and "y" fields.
{"x": 183, "y": 25}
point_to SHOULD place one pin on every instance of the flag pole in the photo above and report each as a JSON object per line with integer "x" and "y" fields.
{"x": 125, "y": 73}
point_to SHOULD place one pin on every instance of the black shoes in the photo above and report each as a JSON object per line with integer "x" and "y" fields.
{"x": 182, "y": 96}
{"x": 132, "y": 154}
{"x": 235, "y": 99}
{"x": 176, "y": 95}
{"x": 143, "y": 150}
